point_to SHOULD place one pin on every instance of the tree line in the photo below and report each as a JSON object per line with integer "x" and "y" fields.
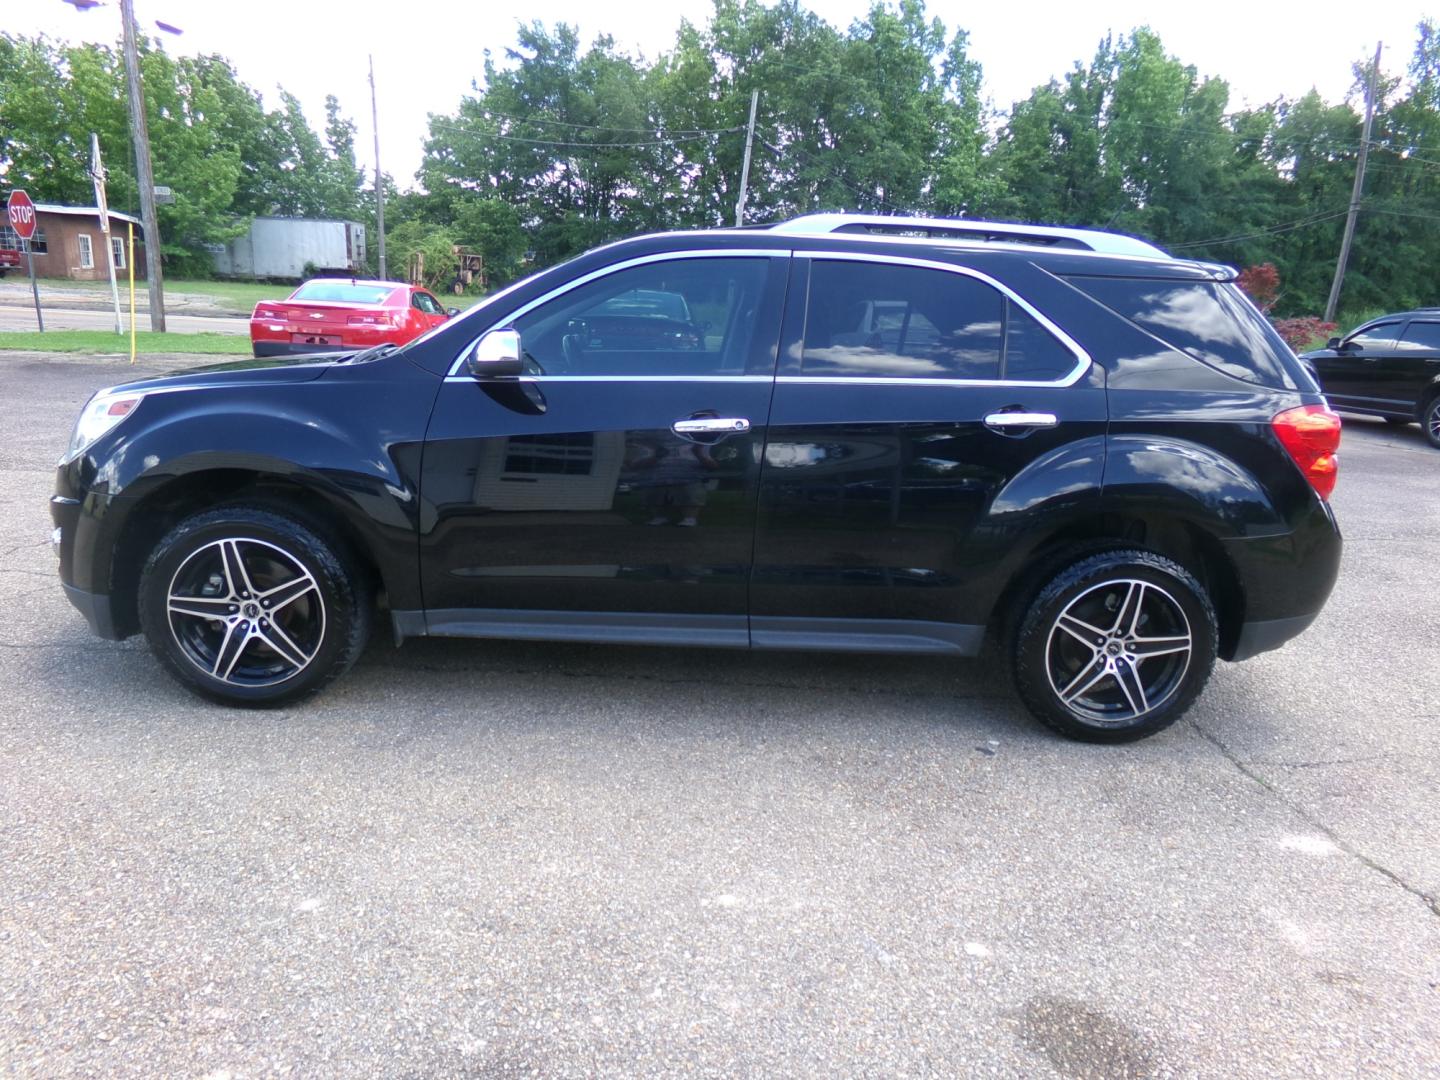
{"x": 561, "y": 145}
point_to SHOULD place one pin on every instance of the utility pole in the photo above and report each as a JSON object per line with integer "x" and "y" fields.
{"x": 140, "y": 133}
{"x": 1355, "y": 192}
{"x": 379, "y": 187}
{"x": 745, "y": 169}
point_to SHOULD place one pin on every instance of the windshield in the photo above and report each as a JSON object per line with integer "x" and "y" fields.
{"x": 345, "y": 292}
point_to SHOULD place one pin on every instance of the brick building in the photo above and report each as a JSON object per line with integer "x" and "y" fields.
{"x": 68, "y": 243}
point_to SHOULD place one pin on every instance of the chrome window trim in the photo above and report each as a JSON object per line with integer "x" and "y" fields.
{"x": 615, "y": 379}
{"x": 1083, "y": 360}
{"x": 606, "y": 271}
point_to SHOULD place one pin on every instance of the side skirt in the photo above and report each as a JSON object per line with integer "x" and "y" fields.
{"x": 723, "y": 631}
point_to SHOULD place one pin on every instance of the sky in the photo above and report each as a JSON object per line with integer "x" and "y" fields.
{"x": 426, "y": 56}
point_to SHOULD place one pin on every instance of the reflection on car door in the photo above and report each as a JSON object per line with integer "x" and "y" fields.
{"x": 611, "y": 492}
{"x": 1405, "y": 377}
{"x": 1347, "y": 375}
{"x": 906, "y": 403}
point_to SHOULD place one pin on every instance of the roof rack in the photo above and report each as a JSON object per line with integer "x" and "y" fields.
{"x": 970, "y": 231}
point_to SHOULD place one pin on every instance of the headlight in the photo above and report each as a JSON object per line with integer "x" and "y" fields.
{"x": 101, "y": 414}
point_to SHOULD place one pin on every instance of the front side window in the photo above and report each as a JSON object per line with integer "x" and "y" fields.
{"x": 87, "y": 252}
{"x": 1377, "y": 338}
{"x": 695, "y": 316}
{"x": 1420, "y": 337}
{"x": 872, "y": 320}
{"x": 428, "y": 304}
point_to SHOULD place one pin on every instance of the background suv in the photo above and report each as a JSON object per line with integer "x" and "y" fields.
{"x": 1389, "y": 367}
{"x": 891, "y": 435}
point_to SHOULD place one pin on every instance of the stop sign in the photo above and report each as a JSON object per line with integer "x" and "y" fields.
{"x": 21, "y": 212}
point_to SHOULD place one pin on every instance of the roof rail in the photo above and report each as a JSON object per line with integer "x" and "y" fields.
{"x": 970, "y": 231}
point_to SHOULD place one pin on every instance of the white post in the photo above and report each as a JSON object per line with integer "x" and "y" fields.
{"x": 97, "y": 174}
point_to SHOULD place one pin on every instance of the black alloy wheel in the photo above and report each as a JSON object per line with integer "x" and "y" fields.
{"x": 247, "y": 606}
{"x": 1116, "y": 647}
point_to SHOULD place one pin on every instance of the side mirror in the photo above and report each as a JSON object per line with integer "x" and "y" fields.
{"x": 496, "y": 354}
{"x": 451, "y": 312}
{"x": 1334, "y": 343}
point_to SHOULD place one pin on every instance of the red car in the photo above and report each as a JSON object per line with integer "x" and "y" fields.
{"x": 331, "y": 315}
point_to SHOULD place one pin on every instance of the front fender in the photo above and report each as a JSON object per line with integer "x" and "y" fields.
{"x": 349, "y": 448}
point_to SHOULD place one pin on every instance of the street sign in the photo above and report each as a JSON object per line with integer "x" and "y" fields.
{"x": 164, "y": 194}
{"x": 21, "y": 212}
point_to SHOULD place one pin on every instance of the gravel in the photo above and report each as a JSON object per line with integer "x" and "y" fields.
{"x": 510, "y": 859}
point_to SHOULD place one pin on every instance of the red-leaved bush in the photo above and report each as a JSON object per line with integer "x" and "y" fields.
{"x": 1306, "y": 332}
{"x": 1262, "y": 284}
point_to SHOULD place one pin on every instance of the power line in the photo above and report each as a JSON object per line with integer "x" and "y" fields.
{"x": 1300, "y": 223}
{"x": 831, "y": 172}
{"x": 445, "y": 124}
{"x": 491, "y": 116}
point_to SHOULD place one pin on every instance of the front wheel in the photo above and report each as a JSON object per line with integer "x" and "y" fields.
{"x": 246, "y": 606}
{"x": 1430, "y": 421}
{"x": 1116, "y": 647}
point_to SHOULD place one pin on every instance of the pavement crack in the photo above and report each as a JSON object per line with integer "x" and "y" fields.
{"x": 22, "y": 547}
{"x": 1324, "y": 764}
{"x": 1248, "y": 770}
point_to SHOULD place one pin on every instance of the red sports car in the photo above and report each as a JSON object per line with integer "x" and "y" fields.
{"x": 331, "y": 315}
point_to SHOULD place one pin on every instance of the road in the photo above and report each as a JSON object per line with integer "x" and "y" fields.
{"x": 22, "y": 317}
{"x": 510, "y": 859}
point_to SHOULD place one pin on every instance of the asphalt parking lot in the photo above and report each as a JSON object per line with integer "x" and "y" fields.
{"x": 491, "y": 859}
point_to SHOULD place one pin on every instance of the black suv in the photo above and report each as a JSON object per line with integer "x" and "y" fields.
{"x": 1389, "y": 367}
{"x": 871, "y": 434}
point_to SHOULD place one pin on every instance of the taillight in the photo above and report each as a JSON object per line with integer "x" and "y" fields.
{"x": 1311, "y": 435}
{"x": 371, "y": 320}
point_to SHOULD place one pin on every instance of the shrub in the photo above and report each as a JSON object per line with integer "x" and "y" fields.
{"x": 1262, "y": 284}
{"x": 1304, "y": 332}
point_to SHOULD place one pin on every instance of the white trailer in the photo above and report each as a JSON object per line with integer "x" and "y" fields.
{"x": 292, "y": 249}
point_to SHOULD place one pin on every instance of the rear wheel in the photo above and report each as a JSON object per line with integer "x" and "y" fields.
{"x": 249, "y": 607}
{"x": 1116, "y": 647}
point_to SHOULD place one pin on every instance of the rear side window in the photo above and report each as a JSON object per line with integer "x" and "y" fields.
{"x": 1420, "y": 337}
{"x": 1213, "y": 322}
{"x": 871, "y": 320}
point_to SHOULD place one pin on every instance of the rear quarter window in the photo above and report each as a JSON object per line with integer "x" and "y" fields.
{"x": 1212, "y": 321}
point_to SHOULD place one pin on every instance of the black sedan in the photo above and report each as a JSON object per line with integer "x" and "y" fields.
{"x": 1389, "y": 367}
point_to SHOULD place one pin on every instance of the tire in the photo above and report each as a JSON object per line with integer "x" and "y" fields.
{"x": 1430, "y": 421}
{"x": 1076, "y": 662}
{"x": 247, "y": 606}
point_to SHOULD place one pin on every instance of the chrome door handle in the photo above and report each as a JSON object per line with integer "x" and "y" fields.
{"x": 710, "y": 425}
{"x": 1021, "y": 420}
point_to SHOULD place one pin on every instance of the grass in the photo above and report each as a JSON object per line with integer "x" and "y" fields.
{"x": 237, "y": 296}
{"x": 103, "y": 341}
